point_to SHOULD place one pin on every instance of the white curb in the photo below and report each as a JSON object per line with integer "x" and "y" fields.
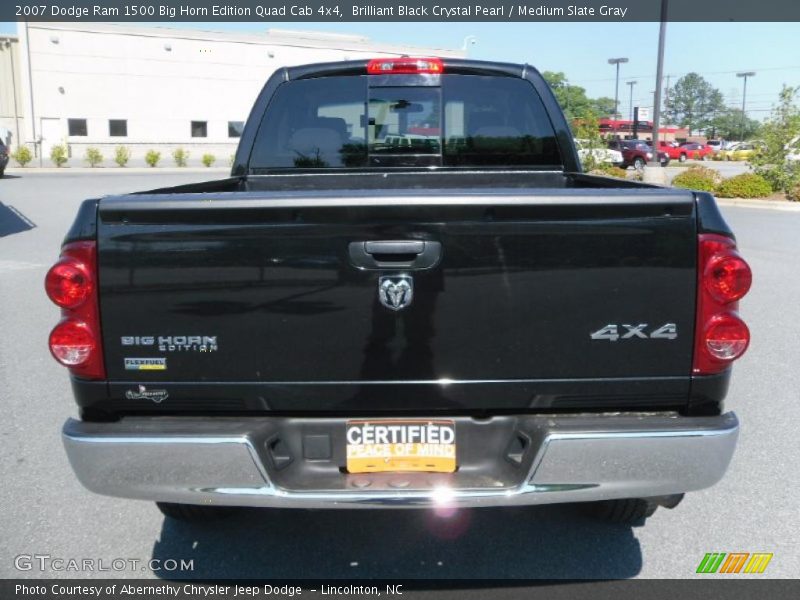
{"x": 117, "y": 170}
{"x": 765, "y": 204}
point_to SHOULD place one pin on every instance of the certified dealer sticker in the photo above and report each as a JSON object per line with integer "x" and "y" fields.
{"x": 401, "y": 445}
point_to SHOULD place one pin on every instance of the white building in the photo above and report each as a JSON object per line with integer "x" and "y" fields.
{"x": 103, "y": 85}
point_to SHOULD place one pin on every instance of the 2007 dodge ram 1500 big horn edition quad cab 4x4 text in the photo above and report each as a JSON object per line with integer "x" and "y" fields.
{"x": 406, "y": 295}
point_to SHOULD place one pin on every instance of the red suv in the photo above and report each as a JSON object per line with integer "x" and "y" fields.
{"x": 637, "y": 153}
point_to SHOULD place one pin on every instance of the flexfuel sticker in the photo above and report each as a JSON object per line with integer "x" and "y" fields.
{"x": 145, "y": 364}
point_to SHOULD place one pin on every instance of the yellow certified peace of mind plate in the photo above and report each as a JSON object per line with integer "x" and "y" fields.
{"x": 389, "y": 445}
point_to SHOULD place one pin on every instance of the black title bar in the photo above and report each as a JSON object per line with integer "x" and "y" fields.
{"x": 391, "y": 10}
{"x": 371, "y": 589}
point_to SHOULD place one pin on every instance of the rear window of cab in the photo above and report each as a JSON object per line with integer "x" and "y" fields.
{"x": 467, "y": 121}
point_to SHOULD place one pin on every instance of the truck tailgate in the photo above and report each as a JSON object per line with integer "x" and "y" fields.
{"x": 525, "y": 298}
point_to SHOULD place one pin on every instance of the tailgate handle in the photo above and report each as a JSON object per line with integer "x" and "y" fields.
{"x": 393, "y": 248}
{"x": 395, "y": 254}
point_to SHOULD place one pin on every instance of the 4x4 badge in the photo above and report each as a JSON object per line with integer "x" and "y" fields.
{"x": 396, "y": 291}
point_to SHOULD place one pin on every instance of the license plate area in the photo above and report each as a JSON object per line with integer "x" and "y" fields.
{"x": 401, "y": 445}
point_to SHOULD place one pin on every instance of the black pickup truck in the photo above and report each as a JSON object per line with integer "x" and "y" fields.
{"x": 407, "y": 294}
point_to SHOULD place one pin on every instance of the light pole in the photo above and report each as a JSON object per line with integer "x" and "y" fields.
{"x": 616, "y": 61}
{"x": 630, "y": 103}
{"x": 470, "y": 40}
{"x": 10, "y": 46}
{"x": 650, "y": 174}
{"x": 746, "y": 74}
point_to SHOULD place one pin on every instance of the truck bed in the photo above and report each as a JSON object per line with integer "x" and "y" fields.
{"x": 534, "y": 268}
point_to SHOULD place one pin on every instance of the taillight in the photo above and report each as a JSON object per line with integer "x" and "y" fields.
{"x": 404, "y": 65}
{"x": 72, "y": 284}
{"x": 728, "y": 276}
{"x": 68, "y": 282}
{"x": 72, "y": 343}
{"x": 726, "y": 337}
{"x": 723, "y": 278}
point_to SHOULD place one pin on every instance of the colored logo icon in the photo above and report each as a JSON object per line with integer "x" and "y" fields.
{"x": 734, "y": 562}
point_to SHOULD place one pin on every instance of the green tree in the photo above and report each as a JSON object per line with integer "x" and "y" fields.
{"x": 59, "y": 154}
{"x": 152, "y": 157}
{"x": 587, "y": 130}
{"x": 180, "y": 156}
{"x": 692, "y": 102}
{"x": 122, "y": 155}
{"x": 727, "y": 125}
{"x": 93, "y": 156}
{"x": 778, "y": 133}
{"x": 572, "y": 98}
{"x": 582, "y": 114}
{"x": 22, "y": 155}
{"x": 604, "y": 106}
{"x": 574, "y": 101}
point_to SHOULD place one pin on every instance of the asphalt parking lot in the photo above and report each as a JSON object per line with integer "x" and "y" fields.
{"x": 46, "y": 512}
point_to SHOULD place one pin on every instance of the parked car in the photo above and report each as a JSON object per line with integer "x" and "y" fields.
{"x": 695, "y": 150}
{"x": 347, "y": 323}
{"x": 602, "y": 155}
{"x": 716, "y": 145}
{"x": 742, "y": 151}
{"x": 671, "y": 150}
{"x": 683, "y": 152}
{"x": 637, "y": 153}
{"x": 3, "y": 158}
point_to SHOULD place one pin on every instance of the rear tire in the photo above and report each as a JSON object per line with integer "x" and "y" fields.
{"x": 638, "y": 163}
{"x": 682, "y": 158}
{"x": 626, "y": 511}
{"x": 193, "y": 513}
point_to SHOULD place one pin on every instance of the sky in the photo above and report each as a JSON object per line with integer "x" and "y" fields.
{"x": 580, "y": 50}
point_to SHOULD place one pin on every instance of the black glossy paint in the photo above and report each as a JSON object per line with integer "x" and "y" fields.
{"x": 709, "y": 219}
{"x": 707, "y": 393}
{"x": 530, "y": 263}
{"x": 84, "y": 227}
{"x": 521, "y": 284}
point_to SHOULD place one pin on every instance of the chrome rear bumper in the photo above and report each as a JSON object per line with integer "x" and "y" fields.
{"x": 528, "y": 460}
